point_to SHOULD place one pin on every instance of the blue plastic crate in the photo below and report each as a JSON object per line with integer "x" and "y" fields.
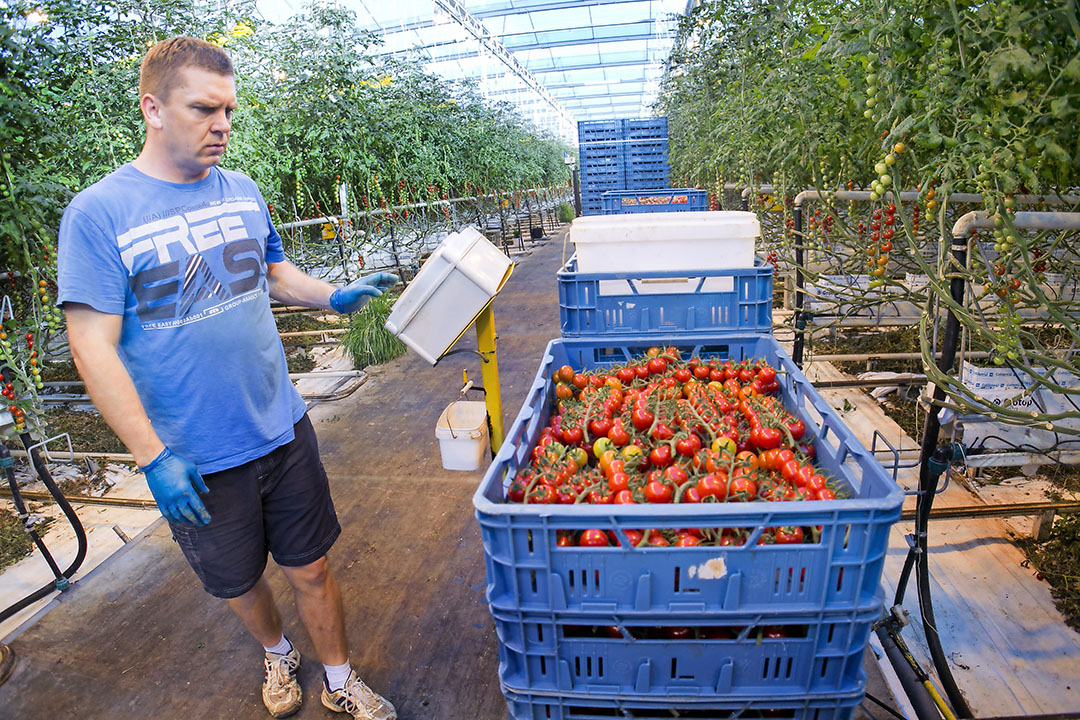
{"x": 618, "y": 202}
{"x": 527, "y": 570}
{"x": 669, "y": 302}
{"x": 540, "y": 706}
{"x": 649, "y": 656}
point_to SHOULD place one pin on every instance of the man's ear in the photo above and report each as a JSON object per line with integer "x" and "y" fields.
{"x": 151, "y": 110}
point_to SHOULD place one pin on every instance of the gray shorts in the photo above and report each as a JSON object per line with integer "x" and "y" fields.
{"x": 278, "y": 504}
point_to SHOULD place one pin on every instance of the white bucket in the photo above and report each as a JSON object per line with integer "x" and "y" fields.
{"x": 644, "y": 242}
{"x": 463, "y": 435}
{"x": 453, "y": 286}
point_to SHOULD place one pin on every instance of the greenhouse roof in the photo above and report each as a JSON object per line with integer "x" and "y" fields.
{"x": 558, "y": 61}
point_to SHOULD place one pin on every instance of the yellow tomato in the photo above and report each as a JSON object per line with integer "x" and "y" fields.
{"x": 724, "y": 444}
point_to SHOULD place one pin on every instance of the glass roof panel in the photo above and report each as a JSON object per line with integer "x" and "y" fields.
{"x": 559, "y": 61}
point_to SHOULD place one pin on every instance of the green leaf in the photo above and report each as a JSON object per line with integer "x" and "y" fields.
{"x": 1016, "y": 97}
{"x": 1059, "y": 107}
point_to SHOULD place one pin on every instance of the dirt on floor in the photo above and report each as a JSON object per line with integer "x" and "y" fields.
{"x": 848, "y": 341}
{"x": 15, "y": 543}
{"x": 88, "y": 430}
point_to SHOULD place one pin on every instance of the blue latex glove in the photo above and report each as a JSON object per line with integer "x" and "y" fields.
{"x": 173, "y": 481}
{"x": 355, "y": 295}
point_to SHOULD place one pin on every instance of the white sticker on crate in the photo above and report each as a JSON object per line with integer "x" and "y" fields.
{"x": 714, "y": 569}
{"x": 1001, "y": 385}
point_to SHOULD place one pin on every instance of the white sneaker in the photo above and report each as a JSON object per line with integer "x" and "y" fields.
{"x": 358, "y": 700}
{"x": 280, "y": 691}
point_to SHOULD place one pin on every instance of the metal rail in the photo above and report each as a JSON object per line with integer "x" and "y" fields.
{"x": 1006, "y": 510}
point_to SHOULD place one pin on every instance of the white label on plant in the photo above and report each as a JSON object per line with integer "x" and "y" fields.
{"x": 835, "y": 292}
{"x": 915, "y": 283}
{"x": 1001, "y": 385}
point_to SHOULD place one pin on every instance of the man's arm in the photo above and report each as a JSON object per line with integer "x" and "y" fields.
{"x": 173, "y": 480}
{"x": 94, "y": 337}
{"x": 292, "y": 286}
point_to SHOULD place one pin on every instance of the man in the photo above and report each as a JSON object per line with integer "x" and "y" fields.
{"x": 166, "y": 271}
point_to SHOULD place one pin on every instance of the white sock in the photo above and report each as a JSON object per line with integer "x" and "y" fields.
{"x": 336, "y": 675}
{"x": 282, "y": 648}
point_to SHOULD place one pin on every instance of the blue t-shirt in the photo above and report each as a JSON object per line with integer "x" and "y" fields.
{"x": 185, "y": 264}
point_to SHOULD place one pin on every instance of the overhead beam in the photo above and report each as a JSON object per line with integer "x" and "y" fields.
{"x": 495, "y": 11}
{"x": 476, "y": 28}
{"x": 569, "y": 42}
{"x": 522, "y": 8}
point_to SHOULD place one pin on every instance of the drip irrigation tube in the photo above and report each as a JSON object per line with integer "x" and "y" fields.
{"x": 61, "y": 581}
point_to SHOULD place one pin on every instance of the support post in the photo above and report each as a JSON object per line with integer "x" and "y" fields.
{"x": 489, "y": 372}
{"x": 798, "y": 346}
{"x": 577, "y": 193}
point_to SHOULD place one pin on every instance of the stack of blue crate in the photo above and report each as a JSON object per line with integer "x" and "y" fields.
{"x": 621, "y": 155}
{"x": 751, "y": 630}
{"x": 647, "y": 154}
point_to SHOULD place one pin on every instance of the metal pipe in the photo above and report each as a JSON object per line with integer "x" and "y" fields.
{"x": 856, "y": 357}
{"x": 1024, "y": 220}
{"x": 305, "y": 333}
{"x": 836, "y": 384}
{"x": 748, "y": 191}
{"x": 87, "y": 500}
{"x": 1007, "y": 510}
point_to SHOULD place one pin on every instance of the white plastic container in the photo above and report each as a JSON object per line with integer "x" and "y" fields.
{"x": 463, "y": 435}
{"x": 451, "y": 289}
{"x": 665, "y": 241}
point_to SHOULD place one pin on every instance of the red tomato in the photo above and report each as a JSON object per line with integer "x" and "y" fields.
{"x": 642, "y": 419}
{"x": 641, "y": 371}
{"x": 742, "y": 489}
{"x": 657, "y": 540}
{"x": 676, "y": 475}
{"x": 618, "y": 434}
{"x": 687, "y": 541}
{"x": 660, "y": 456}
{"x": 600, "y": 428}
{"x": 618, "y": 483}
{"x": 658, "y": 492}
{"x": 688, "y": 446}
{"x": 711, "y": 485}
{"x": 789, "y": 535}
{"x": 691, "y": 495}
{"x": 593, "y": 538}
{"x": 597, "y": 497}
{"x": 826, "y": 494}
{"x": 657, "y": 366}
{"x": 573, "y": 435}
{"x": 626, "y": 375}
{"x": 766, "y": 374}
{"x": 815, "y": 484}
{"x": 624, "y": 497}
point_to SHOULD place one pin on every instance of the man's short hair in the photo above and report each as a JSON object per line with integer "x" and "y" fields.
{"x": 161, "y": 67}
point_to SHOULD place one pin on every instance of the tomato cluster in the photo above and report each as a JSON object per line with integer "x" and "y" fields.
{"x": 663, "y": 430}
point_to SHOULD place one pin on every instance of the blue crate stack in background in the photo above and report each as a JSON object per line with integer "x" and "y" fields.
{"x": 621, "y": 155}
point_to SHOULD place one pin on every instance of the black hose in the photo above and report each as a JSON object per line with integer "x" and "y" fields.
{"x": 911, "y": 677}
{"x": 928, "y": 483}
{"x": 61, "y": 582}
